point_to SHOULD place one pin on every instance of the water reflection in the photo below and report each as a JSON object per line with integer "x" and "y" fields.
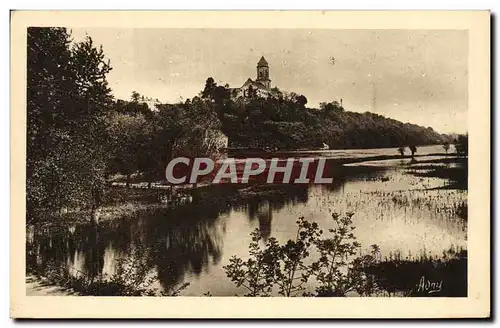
{"x": 182, "y": 241}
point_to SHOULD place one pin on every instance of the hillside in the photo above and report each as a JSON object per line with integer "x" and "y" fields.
{"x": 288, "y": 124}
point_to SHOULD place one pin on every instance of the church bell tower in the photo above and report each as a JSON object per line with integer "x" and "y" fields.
{"x": 263, "y": 73}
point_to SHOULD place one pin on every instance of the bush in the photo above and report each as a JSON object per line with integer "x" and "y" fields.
{"x": 461, "y": 145}
{"x": 285, "y": 267}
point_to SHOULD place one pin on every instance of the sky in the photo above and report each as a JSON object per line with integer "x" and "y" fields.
{"x": 416, "y": 76}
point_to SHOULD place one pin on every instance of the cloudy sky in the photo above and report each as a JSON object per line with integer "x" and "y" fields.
{"x": 417, "y": 76}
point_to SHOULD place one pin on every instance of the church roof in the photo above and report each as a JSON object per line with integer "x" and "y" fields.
{"x": 256, "y": 84}
{"x": 247, "y": 82}
{"x": 262, "y": 62}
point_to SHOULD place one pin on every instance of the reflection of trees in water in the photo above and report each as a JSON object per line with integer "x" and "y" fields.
{"x": 265, "y": 220}
{"x": 177, "y": 241}
{"x": 182, "y": 240}
{"x": 263, "y": 211}
{"x": 79, "y": 248}
{"x": 93, "y": 247}
{"x": 263, "y": 208}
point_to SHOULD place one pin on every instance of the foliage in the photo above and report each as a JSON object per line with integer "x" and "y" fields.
{"x": 401, "y": 151}
{"x": 462, "y": 145}
{"x": 136, "y": 96}
{"x": 144, "y": 141}
{"x": 255, "y": 274}
{"x": 220, "y": 95}
{"x": 67, "y": 96}
{"x": 330, "y": 108}
{"x": 290, "y": 271}
{"x": 128, "y": 137}
{"x": 196, "y": 120}
{"x": 334, "y": 253}
{"x": 446, "y": 147}
{"x": 286, "y": 268}
{"x": 242, "y": 120}
{"x": 301, "y": 100}
{"x": 413, "y": 150}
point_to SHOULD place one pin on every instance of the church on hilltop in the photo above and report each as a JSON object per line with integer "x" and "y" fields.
{"x": 258, "y": 88}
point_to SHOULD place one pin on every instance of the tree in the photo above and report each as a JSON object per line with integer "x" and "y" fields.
{"x": 210, "y": 86}
{"x": 256, "y": 274}
{"x": 336, "y": 275}
{"x": 276, "y": 265}
{"x": 49, "y": 105}
{"x": 413, "y": 150}
{"x": 133, "y": 107}
{"x": 286, "y": 267}
{"x": 129, "y": 146}
{"x": 290, "y": 270}
{"x": 68, "y": 98}
{"x": 446, "y": 147}
{"x": 401, "y": 151}
{"x": 259, "y": 122}
{"x": 195, "y": 121}
{"x": 135, "y": 96}
{"x": 301, "y": 100}
{"x": 330, "y": 107}
{"x": 220, "y": 94}
{"x": 94, "y": 98}
{"x": 462, "y": 145}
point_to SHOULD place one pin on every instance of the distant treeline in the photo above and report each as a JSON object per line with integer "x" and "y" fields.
{"x": 286, "y": 123}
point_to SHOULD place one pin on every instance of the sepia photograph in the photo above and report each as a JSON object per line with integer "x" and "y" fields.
{"x": 222, "y": 162}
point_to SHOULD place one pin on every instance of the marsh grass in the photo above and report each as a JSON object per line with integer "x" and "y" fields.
{"x": 398, "y": 276}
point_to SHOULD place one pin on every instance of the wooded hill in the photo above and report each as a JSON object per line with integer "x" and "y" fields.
{"x": 287, "y": 123}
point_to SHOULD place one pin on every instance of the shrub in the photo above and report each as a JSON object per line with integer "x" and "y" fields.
{"x": 286, "y": 268}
